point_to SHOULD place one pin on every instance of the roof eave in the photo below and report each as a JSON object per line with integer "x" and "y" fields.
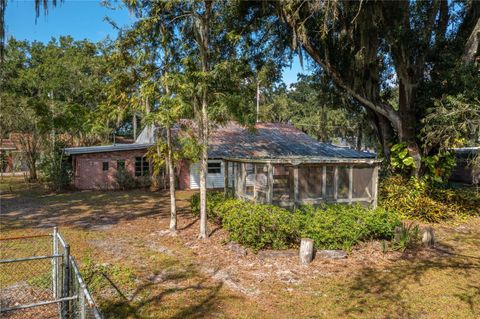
{"x": 305, "y": 160}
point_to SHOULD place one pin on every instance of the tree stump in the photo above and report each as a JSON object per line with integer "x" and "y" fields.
{"x": 428, "y": 237}
{"x": 306, "y": 251}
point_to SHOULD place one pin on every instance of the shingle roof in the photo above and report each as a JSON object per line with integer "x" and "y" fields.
{"x": 272, "y": 140}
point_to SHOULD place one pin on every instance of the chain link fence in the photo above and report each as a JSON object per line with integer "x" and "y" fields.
{"x": 40, "y": 279}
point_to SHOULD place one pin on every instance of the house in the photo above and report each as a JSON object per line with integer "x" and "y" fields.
{"x": 10, "y": 154}
{"x": 464, "y": 172}
{"x": 271, "y": 163}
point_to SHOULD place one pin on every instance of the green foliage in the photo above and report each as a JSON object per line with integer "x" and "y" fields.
{"x": 125, "y": 180}
{"x": 258, "y": 226}
{"x": 213, "y": 200}
{"x": 407, "y": 237}
{"x": 438, "y": 167}
{"x": 416, "y": 199}
{"x": 342, "y": 226}
{"x": 56, "y": 171}
{"x": 400, "y": 158}
{"x": 267, "y": 226}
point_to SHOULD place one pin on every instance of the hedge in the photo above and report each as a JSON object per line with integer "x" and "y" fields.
{"x": 260, "y": 226}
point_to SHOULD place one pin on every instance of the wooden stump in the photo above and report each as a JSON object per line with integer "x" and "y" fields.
{"x": 306, "y": 251}
{"x": 428, "y": 237}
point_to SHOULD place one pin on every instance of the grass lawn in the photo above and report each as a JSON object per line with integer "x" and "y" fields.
{"x": 135, "y": 270}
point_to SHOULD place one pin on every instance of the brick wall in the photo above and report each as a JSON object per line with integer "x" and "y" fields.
{"x": 89, "y": 173}
{"x": 183, "y": 171}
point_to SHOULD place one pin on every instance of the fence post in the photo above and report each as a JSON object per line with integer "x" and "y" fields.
{"x": 81, "y": 296}
{"x": 66, "y": 280}
{"x": 54, "y": 263}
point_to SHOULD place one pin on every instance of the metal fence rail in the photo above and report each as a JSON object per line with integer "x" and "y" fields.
{"x": 40, "y": 279}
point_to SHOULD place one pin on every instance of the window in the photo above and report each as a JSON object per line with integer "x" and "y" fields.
{"x": 120, "y": 164}
{"x": 141, "y": 166}
{"x": 214, "y": 168}
{"x": 105, "y": 166}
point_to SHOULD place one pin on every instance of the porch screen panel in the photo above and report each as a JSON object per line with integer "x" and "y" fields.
{"x": 282, "y": 183}
{"x": 330, "y": 182}
{"x": 310, "y": 182}
{"x": 362, "y": 182}
{"x": 260, "y": 182}
{"x": 249, "y": 179}
{"x": 343, "y": 182}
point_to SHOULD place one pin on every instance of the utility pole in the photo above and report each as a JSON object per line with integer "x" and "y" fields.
{"x": 258, "y": 98}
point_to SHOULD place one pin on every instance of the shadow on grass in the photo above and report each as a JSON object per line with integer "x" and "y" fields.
{"x": 372, "y": 288}
{"x": 175, "y": 293}
{"x": 31, "y": 206}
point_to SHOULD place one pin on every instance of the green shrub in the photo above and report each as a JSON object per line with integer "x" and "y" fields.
{"x": 213, "y": 199}
{"x": 55, "y": 169}
{"x": 415, "y": 199}
{"x": 258, "y": 226}
{"x": 125, "y": 180}
{"x": 261, "y": 226}
{"x": 408, "y": 237}
{"x": 342, "y": 226}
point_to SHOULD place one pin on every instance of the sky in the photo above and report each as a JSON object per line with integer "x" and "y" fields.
{"x": 82, "y": 20}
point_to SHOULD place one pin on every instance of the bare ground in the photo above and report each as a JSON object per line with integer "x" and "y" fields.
{"x": 146, "y": 272}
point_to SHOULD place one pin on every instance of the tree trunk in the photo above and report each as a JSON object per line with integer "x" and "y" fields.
{"x": 134, "y": 122}
{"x": 204, "y": 168}
{"x": 472, "y": 45}
{"x": 202, "y": 35}
{"x": 407, "y": 129}
{"x": 359, "y": 138}
{"x": 171, "y": 175}
{"x": 306, "y": 251}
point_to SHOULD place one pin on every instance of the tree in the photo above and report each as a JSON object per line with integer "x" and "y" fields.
{"x": 372, "y": 49}
{"x": 50, "y": 92}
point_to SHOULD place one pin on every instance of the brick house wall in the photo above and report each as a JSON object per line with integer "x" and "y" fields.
{"x": 183, "y": 174}
{"x": 89, "y": 173}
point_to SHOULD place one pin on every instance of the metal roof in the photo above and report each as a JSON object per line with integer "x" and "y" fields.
{"x": 233, "y": 141}
{"x": 273, "y": 140}
{"x": 105, "y": 148}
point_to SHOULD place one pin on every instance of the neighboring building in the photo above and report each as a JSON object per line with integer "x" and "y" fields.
{"x": 463, "y": 172}
{"x": 10, "y": 154}
{"x": 274, "y": 163}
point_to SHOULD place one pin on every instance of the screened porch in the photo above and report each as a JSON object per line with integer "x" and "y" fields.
{"x": 292, "y": 183}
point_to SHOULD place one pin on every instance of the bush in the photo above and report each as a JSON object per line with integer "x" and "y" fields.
{"x": 258, "y": 226}
{"x": 408, "y": 237}
{"x": 415, "y": 199}
{"x": 56, "y": 171}
{"x": 213, "y": 199}
{"x": 125, "y": 180}
{"x": 261, "y": 226}
{"x": 343, "y": 226}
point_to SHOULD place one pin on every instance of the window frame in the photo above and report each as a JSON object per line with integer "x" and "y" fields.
{"x": 215, "y": 170}
{"x": 105, "y": 166}
{"x": 142, "y": 166}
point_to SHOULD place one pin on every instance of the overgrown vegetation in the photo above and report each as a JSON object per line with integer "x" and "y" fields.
{"x": 125, "y": 180}
{"x": 261, "y": 226}
{"x": 56, "y": 171}
{"x": 417, "y": 199}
